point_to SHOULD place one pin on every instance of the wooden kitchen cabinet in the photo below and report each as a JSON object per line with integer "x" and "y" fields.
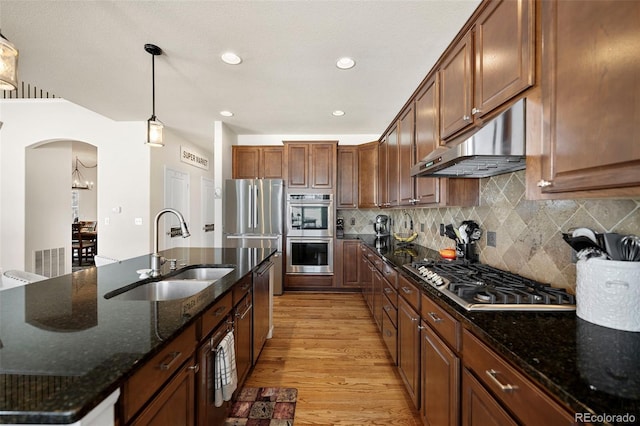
{"x": 347, "y": 191}
{"x": 257, "y": 162}
{"x": 405, "y": 182}
{"x": 590, "y": 79}
{"x": 383, "y": 173}
{"x": 366, "y": 271}
{"x": 526, "y": 402}
{"x": 492, "y": 62}
{"x": 175, "y": 402}
{"x": 409, "y": 347}
{"x": 243, "y": 313}
{"x": 368, "y": 175}
{"x": 479, "y": 407}
{"x": 261, "y": 298}
{"x": 427, "y": 138}
{"x": 311, "y": 165}
{"x": 378, "y": 298}
{"x": 392, "y": 167}
{"x": 351, "y": 268}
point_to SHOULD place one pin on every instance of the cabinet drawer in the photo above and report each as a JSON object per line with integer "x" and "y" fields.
{"x": 390, "y": 292}
{"x": 215, "y": 314}
{"x": 152, "y": 376}
{"x": 241, "y": 289}
{"x": 409, "y": 292}
{"x": 391, "y": 309}
{"x": 520, "y": 395}
{"x": 378, "y": 262}
{"x": 390, "y": 274}
{"x": 447, "y": 327}
{"x": 390, "y": 337}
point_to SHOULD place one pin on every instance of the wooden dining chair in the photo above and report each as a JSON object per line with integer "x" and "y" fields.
{"x": 81, "y": 247}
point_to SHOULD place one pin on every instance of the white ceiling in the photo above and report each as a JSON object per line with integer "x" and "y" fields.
{"x": 92, "y": 53}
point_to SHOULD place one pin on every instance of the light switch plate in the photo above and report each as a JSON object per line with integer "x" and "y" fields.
{"x": 491, "y": 239}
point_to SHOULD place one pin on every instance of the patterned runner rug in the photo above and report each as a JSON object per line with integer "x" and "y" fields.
{"x": 263, "y": 407}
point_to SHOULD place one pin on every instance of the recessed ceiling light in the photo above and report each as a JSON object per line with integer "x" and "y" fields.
{"x": 338, "y": 113}
{"x": 231, "y": 58}
{"x": 226, "y": 113}
{"x": 345, "y": 63}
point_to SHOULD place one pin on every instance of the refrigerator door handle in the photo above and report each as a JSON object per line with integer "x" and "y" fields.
{"x": 255, "y": 212}
{"x": 251, "y": 207}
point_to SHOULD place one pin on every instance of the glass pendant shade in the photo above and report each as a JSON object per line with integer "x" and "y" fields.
{"x": 8, "y": 65}
{"x": 154, "y": 132}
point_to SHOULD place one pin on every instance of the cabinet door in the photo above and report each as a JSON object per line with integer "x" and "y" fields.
{"x": 350, "y": 256}
{"x": 272, "y": 162}
{"x": 405, "y": 157}
{"x": 478, "y": 406}
{"x": 427, "y": 138}
{"x": 347, "y": 177}
{"x": 365, "y": 275}
{"x": 175, "y": 403}
{"x": 322, "y": 163}
{"x": 297, "y": 165}
{"x": 383, "y": 175}
{"x": 246, "y": 162}
{"x": 378, "y": 298}
{"x": 590, "y": 95}
{"x": 440, "y": 381}
{"x": 504, "y": 46}
{"x": 368, "y": 175}
{"x": 456, "y": 91}
{"x": 409, "y": 349}
{"x": 392, "y": 167}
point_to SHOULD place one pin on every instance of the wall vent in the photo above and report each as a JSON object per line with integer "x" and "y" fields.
{"x": 49, "y": 262}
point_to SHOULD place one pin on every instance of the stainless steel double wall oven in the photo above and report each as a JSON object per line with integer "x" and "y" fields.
{"x": 309, "y": 219}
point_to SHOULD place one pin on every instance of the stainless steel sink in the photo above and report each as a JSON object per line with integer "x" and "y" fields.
{"x": 184, "y": 284}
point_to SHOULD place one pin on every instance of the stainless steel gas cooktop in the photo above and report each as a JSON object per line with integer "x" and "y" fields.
{"x": 476, "y": 286}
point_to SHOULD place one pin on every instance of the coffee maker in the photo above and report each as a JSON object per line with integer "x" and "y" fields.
{"x": 340, "y": 227}
{"x": 381, "y": 225}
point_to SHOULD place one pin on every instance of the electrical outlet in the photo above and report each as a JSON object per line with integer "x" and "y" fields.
{"x": 353, "y": 221}
{"x": 442, "y": 229}
{"x": 491, "y": 239}
{"x": 422, "y": 227}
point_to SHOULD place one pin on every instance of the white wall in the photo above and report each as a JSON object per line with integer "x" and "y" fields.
{"x": 223, "y": 139}
{"x": 169, "y": 156}
{"x": 277, "y": 139}
{"x": 123, "y": 173}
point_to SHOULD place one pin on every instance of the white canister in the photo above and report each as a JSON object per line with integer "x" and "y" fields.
{"x": 608, "y": 293}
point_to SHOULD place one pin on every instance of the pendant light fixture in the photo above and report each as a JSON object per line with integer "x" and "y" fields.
{"x": 77, "y": 179}
{"x": 8, "y": 65}
{"x": 154, "y": 126}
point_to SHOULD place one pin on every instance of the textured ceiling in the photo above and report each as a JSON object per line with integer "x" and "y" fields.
{"x": 92, "y": 53}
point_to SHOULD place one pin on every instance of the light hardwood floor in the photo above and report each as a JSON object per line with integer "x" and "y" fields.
{"x": 329, "y": 348}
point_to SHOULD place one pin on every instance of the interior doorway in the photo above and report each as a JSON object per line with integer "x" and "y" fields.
{"x": 176, "y": 196}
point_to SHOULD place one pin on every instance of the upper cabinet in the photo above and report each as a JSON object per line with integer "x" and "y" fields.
{"x": 490, "y": 64}
{"x": 591, "y": 78}
{"x": 383, "y": 175}
{"x": 368, "y": 175}
{"x": 311, "y": 165}
{"x": 257, "y": 162}
{"x": 347, "y": 193}
{"x": 427, "y": 137}
{"x": 405, "y": 151}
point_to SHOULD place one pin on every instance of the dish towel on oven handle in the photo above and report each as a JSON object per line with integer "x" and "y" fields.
{"x": 225, "y": 372}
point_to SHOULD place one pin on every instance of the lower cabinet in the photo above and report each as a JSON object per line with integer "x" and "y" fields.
{"x": 480, "y": 409}
{"x": 243, "y": 312}
{"x": 174, "y": 404}
{"x": 440, "y": 381}
{"x": 261, "y": 306}
{"x": 409, "y": 349}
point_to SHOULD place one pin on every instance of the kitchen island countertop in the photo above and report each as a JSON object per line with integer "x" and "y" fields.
{"x": 64, "y": 347}
{"x": 591, "y": 369}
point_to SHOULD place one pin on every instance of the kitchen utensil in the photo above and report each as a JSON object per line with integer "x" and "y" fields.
{"x": 630, "y": 248}
{"x": 448, "y": 253}
{"x": 585, "y": 232}
{"x": 591, "y": 253}
{"x": 463, "y": 234}
{"x": 450, "y": 232}
{"x": 612, "y": 245}
{"x": 580, "y": 243}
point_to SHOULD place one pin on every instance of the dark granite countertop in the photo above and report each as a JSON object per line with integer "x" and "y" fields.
{"x": 64, "y": 347}
{"x": 592, "y": 369}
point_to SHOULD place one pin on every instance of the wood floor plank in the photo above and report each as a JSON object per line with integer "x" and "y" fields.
{"x": 329, "y": 348}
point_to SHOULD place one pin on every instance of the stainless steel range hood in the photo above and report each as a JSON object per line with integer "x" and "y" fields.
{"x": 498, "y": 147}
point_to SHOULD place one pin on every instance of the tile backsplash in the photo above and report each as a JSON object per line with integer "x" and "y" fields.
{"x": 528, "y": 233}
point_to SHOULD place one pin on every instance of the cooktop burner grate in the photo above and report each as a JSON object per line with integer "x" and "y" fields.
{"x": 482, "y": 287}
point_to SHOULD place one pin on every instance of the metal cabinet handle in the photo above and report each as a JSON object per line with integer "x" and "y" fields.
{"x": 475, "y": 111}
{"x": 466, "y": 117}
{"x": 387, "y": 308}
{"x": 544, "y": 183}
{"x": 414, "y": 319}
{"x": 421, "y": 327}
{"x": 435, "y": 317}
{"x": 388, "y": 290}
{"x": 172, "y": 357}
{"x": 244, "y": 314}
{"x": 504, "y": 388}
{"x": 194, "y": 368}
{"x": 407, "y": 290}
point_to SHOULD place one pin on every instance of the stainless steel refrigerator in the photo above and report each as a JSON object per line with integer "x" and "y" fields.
{"x": 254, "y": 217}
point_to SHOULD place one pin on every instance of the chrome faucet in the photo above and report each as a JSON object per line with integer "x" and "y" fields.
{"x": 156, "y": 259}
